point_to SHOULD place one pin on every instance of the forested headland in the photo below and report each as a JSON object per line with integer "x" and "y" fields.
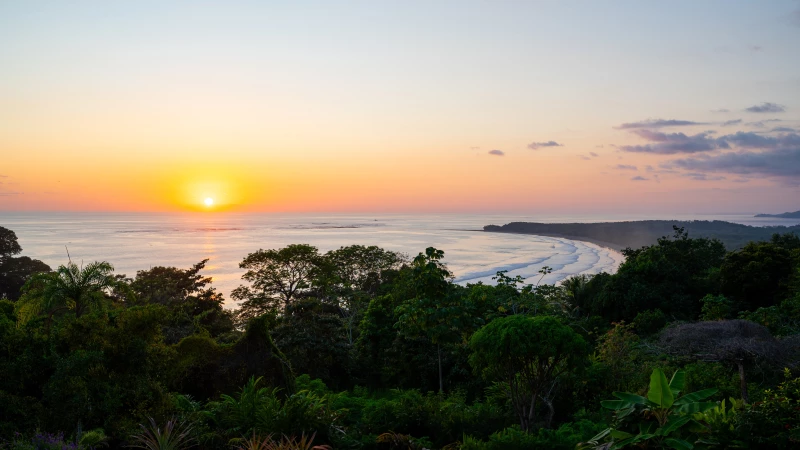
{"x": 640, "y": 233}
{"x": 689, "y": 345}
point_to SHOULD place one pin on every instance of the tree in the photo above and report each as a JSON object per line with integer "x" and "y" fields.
{"x": 757, "y": 275}
{"x": 715, "y": 307}
{"x": 527, "y": 354}
{"x": 671, "y": 276}
{"x": 188, "y": 295}
{"x": 435, "y": 311}
{"x": 355, "y": 275}
{"x": 15, "y": 271}
{"x": 278, "y": 278}
{"x": 68, "y": 288}
{"x": 733, "y": 341}
{"x": 360, "y": 268}
{"x": 618, "y": 350}
{"x": 8, "y": 243}
{"x": 311, "y": 336}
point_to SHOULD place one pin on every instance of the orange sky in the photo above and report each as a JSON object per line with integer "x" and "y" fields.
{"x": 378, "y": 108}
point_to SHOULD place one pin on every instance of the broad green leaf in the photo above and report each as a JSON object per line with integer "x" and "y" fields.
{"x": 619, "y": 434}
{"x": 659, "y": 392}
{"x": 624, "y": 443}
{"x": 647, "y": 427}
{"x": 696, "y": 427}
{"x": 613, "y": 404}
{"x": 679, "y": 444}
{"x": 678, "y": 381}
{"x": 623, "y": 413}
{"x": 631, "y": 399}
{"x": 696, "y": 407}
{"x": 672, "y": 425}
{"x": 600, "y": 435}
{"x": 696, "y": 396}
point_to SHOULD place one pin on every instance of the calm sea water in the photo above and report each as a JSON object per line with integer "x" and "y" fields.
{"x": 140, "y": 241}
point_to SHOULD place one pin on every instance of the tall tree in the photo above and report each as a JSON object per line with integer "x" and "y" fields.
{"x": 671, "y": 276}
{"x": 15, "y": 270}
{"x": 435, "y": 311}
{"x": 355, "y": 274}
{"x": 757, "y": 275}
{"x": 188, "y": 295}
{"x": 527, "y": 354}
{"x": 277, "y": 277}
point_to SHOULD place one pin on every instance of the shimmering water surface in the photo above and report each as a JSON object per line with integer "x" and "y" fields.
{"x": 139, "y": 241}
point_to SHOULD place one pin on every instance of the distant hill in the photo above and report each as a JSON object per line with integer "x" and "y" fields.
{"x": 619, "y": 235}
{"x": 786, "y": 215}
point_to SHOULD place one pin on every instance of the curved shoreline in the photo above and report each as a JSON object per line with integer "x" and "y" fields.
{"x": 611, "y": 247}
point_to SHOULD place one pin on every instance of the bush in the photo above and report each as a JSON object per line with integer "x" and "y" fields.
{"x": 649, "y": 322}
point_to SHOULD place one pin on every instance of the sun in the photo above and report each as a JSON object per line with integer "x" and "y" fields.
{"x": 209, "y": 201}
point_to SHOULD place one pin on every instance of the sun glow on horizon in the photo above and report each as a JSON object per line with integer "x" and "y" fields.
{"x": 209, "y": 202}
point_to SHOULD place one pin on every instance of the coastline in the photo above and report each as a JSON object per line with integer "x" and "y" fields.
{"x": 614, "y": 248}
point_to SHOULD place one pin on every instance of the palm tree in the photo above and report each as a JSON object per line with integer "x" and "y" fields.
{"x": 69, "y": 287}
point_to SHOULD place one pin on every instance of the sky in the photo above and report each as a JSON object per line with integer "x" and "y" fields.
{"x": 389, "y": 106}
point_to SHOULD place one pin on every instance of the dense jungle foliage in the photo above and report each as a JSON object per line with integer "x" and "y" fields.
{"x": 686, "y": 346}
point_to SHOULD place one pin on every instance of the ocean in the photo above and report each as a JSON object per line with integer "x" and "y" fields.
{"x": 137, "y": 241}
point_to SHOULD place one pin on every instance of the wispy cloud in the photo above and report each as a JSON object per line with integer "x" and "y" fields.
{"x": 626, "y": 167}
{"x": 723, "y": 110}
{"x": 729, "y": 123}
{"x": 594, "y": 155}
{"x": 538, "y": 145}
{"x": 638, "y": 178}
{"x": 584, "y": 157}
{"x": 784, "y": 129}
{"x": 703, "y": 177}
{"x": 673, "y": 143}
{"x": 782, "y": 164}
{"x": 657, "y": 123}
{"x": 766, "y": 107}
{"x": 497, "y": 152}
{"x": 748, "y": 139}
{"x": 761, "y": 123}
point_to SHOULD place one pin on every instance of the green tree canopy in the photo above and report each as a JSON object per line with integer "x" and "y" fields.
{"x": 189, "y": 296}
{"x": 757, "y": 275}
{"x": 671, "y": 276}
{"x": 15, "y": 271}
{"x": 277, "y": 277}
{"x": 528, "y": 354}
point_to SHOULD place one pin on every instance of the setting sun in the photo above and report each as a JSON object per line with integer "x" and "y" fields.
{"x": 209, "y": 201}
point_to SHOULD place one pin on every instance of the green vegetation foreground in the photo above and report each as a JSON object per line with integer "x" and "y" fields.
{"x": 686, "y": 346}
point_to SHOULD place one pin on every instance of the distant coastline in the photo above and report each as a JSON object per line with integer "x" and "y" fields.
{"x": 635, "y": 234}
{"x": 616, "y": 248}
{"x": 786, "y": 215}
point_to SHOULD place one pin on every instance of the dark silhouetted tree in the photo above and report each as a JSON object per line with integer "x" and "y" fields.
{"x": 738, "y": 342}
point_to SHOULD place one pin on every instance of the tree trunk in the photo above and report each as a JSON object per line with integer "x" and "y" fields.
{"x": 743, "y": 383}
{"x": 528, "y": 418}
{"x": 439, "y": 354}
